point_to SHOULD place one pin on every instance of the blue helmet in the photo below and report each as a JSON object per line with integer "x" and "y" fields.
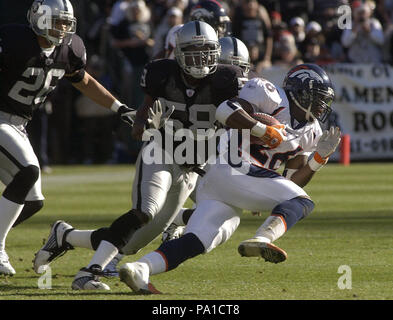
{"x": 309, "y": 88}
{"x": 213, "y": 13}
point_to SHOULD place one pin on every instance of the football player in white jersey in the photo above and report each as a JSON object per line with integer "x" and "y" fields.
{"x": 226, "y": 190}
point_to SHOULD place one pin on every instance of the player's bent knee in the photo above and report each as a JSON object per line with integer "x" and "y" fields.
{"x": 294, "y": 210}
{"x": 121, "y": 230}
{"x": 21, "y": 184}
{"x": 30, "y": 208}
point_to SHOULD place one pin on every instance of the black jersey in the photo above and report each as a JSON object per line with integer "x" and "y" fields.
{"x": 27, "y": 75}
{"x": 195, "y": 108}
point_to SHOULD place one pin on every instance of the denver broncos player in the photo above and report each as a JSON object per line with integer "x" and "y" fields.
{"x": 195, "y": 85}
{"x": 225, "y": 190}
{"x": 32, "y": 61}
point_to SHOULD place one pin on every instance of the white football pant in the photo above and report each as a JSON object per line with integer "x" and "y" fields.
{"x": 16, "y": 152}
{"x": 159, "y": 190}
{"x": 222, "y": 195}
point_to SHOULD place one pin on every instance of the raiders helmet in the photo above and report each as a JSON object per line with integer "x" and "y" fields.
{"x": 212, "y": 12}
{"x": 197, "y": 49}
{"x": 52, "y": 19}
{"x": 235, "y": 52}
{"x": 309, "y": 88}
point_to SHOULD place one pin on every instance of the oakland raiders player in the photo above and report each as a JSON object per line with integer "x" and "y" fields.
{"x": 195, "y": 84}
{"x": 233, "y": 52}
{"x": 222, "y": 195}
{"x": 32, "y": 61}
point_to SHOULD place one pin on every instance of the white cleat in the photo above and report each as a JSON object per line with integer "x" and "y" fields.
{"x": 88, "y": 279}
{"x": 257, "y": 248}
{"x": 173, "y": 232}
{"x": 111, "y": 268}
{"x": 54, "y": 247}
{"x": 5, "y": 265}
{"x": 136, "y": 276}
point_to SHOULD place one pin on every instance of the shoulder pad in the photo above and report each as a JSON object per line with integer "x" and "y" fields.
{"x": 227, "y": 76}
{"x": 262, "y": 94}
{"x": 77, "y": 54}
{"x": 156, "y": 74}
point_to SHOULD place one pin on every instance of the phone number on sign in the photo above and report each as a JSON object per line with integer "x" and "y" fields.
{"x": 373, "y": 145}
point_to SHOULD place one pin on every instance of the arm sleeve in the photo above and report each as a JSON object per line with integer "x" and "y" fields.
{"x": 77, "y": 60}
{"x": 153, "y": 79}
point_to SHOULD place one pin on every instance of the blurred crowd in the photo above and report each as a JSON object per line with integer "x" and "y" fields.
{"x": 122, "y": 36}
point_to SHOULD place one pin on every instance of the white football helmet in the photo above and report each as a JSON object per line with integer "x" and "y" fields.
{"x": 235, "y": 52}
{"x": 197, "y": 49}
{"x": 52, "y": 19}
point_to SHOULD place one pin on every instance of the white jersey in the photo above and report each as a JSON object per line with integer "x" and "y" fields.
{"x": 170, "y": 41}
{"x": 267, "y": 98}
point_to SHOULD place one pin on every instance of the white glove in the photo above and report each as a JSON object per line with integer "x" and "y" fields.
{"x": 327, "y": 144}
{"x": 157, "y": 119}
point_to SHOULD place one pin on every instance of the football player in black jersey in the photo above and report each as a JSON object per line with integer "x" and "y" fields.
{"x": 32, "y": 61}
{"x": 188, "y": 90}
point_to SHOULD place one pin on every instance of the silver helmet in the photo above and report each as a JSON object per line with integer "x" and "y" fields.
{"x": 235, "y": 52}
{"x": 197, "y": 49}
{"x": 52, "y": 19}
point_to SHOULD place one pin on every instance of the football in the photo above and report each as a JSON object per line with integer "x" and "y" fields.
{"x": 265, "y": 119}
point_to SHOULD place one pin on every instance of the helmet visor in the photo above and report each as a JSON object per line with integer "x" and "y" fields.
{"x": 321, "y": 104}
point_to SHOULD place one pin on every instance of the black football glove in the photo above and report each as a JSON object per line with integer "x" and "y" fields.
{"x": 127, "y": 114}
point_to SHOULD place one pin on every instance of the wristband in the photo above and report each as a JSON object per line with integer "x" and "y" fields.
{"x": 258, "y": 130}
{"x": 116, "y": 105}
{"x": 226, "y": 109}
{"x": 317, "y": 162}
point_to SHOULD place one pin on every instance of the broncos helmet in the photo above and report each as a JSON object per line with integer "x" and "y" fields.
{"x": 235, "y": 52}
{"x": 197, "y": 49}
{"x": 310, "y": 89}
{"x": 212, "y": 12}
{"x": 52, "y": 19}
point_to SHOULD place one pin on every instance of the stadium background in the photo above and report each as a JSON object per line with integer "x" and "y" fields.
{"x": 351, "y": 225}
{"x": 63, "y": 133}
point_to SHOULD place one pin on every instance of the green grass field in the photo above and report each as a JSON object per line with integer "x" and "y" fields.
{"x": 351, "y": 225}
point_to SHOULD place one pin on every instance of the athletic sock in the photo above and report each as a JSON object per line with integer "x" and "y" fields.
{"x": 272, "y": 229}
{"x": 80, "y": 238}
{"x": 9, "y": 212}
{"x": 106, "y": 251}
{"x": 156, "y": 262}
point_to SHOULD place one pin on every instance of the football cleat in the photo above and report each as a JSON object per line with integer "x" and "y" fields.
{"x": 88, "y": 279}
{"x": 5, "y": 265}
{"x": 136, "y": 276}
{"x": 257, "y": 248}
{"x": 54, "y": 247}
{"x": 173, "y": 232}
{"x": 111, "y": 268}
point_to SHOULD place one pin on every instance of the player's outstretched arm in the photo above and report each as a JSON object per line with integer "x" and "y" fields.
{"x": 300, "y": 171}
{"x": 91, "y": 88}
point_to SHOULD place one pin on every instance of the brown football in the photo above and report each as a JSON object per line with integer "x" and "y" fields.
{"x": 265, "y": 119}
